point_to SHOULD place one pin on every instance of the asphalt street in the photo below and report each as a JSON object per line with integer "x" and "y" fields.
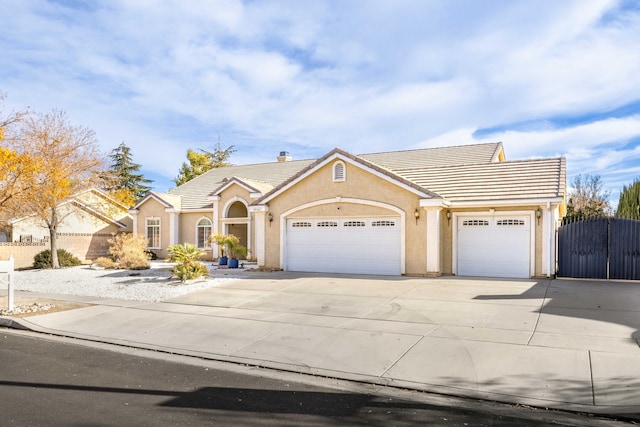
{"x": 49, "y": 381}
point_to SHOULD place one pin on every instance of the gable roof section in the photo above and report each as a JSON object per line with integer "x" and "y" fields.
{"x": 195, "y": 193}
{"x": 169, "y": 201}
{"x": 89, "y": 209}
{"x": 252, "y": 186}
{"x": 514, "y": 180}
{"x": 78, "y": 200}
{"x": 443, "y": 156}
{"x": 337, "y": 153}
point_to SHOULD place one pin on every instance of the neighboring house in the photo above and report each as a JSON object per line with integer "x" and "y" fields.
{"x": 460, "y": 210}
{"x": 89, "y": 219}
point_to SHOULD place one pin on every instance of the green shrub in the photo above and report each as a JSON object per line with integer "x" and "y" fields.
{"x": 65, "y": 259}
{"x": 186, "y": 256}
{"x": 152, "y": 255}
{"x": 189, "y": 270}
{"x": 129, "y": 251}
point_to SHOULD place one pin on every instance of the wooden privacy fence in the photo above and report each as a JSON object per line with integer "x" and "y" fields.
{"x": 602, "y": 248}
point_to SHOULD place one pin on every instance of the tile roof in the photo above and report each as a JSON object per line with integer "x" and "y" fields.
{"x": 443, "y": 156}
{"x": 459, "y": 173}
{"x": 194, "y": 193}
{"x": 514, "y": 180}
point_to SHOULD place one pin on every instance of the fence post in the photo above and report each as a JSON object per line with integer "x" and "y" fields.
{"x": 7, "y": 267}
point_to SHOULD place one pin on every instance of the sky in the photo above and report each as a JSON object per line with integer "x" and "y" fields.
{"x": 547, "y": 78}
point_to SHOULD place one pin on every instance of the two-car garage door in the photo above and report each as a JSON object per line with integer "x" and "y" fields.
{"x": 494, "y": 246}
{"x": 344, "y": 245}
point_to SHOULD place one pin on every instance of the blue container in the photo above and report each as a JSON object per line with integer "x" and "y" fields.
{"x": 223, "y": 260}
{"x": 233, "y": 263}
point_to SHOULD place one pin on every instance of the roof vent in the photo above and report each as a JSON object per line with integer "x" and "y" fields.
{"x": 284, "y": 157}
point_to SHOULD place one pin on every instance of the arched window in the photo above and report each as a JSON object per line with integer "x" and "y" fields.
{"x": 203, "y": 232}
{"x": 339, "y": 171}
{"x": 237, "y": 210}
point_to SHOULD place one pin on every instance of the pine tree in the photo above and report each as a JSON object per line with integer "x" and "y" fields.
{"x": 126, "y": 184}
{"x": 202, "y": 162}
{"x": 629, "y": 203}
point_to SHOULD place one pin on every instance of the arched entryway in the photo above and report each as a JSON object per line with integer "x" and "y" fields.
{"x": 236, "y": 221}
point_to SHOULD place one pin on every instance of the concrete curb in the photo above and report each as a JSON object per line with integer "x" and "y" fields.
{"x": 624, "y": 413}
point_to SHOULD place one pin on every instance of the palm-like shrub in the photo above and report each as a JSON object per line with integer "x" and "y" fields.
{"x": 231, "y": 243}
{"x": 186, "y": 256}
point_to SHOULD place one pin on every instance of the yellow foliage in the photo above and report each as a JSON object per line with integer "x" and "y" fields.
{"x": 18, "y": 178}
{"x": 124, "y": 196}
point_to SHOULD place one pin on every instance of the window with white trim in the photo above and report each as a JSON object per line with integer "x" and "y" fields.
{"x": 301, "y": 224}
{"x": 354, "y": 224}
{"x": 383, "y": 223}
{"x": 339, "y": 171}
{"x": 504, "y": 222}
{"x": 327, "y": 224}
{"x": 475, "y": 222}
{"x": 203, "y": 232}
{"x": 152, "y": 233}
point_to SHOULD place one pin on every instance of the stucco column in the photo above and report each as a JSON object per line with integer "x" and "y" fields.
{"x": 259, "y": 230}
{"x": 134, "y": 214}
{"x": 174, "y": 227}
{"x": 260, "y": 241}
{"x": 433, "y": 240}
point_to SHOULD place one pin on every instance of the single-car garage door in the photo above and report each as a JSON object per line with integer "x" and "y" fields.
{"x": 353, "y": 245}
{"x": 494, "y": 246}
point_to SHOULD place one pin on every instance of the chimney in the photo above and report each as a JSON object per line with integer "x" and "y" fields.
{"x": 284, "y": 157}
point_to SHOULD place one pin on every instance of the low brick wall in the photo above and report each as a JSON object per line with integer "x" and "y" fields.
{"x": 85, "y": 246}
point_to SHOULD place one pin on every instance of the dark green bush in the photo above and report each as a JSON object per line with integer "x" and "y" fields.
{"x": 152, "y": 255}
{"x": 66, "y": 259}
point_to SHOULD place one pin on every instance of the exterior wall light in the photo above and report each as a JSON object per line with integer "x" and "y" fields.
{"x": 270, "y": 216}
{"x": 448, "y": 217}
{"x": 416, "y": 214}
{"x": 538, "y": 215}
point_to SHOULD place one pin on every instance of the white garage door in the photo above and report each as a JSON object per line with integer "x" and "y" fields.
{"x": 359, "y": 246}
{"x": 494, "y": 246}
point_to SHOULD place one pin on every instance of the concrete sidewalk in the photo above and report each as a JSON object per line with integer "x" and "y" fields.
{"x": 558, "y": 344}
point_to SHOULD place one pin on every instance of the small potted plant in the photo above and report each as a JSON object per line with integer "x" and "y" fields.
{"x": 234, "y": 249}
{"x": 221, "y": 241}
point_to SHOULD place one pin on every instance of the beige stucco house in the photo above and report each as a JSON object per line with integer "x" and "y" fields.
{"x": 460, "y": 210}
{"x": 88, "y": 220}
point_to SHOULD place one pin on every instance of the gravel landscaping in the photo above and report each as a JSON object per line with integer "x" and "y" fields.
{"x": 154, "y": 284}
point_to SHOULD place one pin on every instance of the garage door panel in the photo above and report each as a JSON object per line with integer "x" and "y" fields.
{"x": 494, "y": 246}
{"x": 359, "y": 246}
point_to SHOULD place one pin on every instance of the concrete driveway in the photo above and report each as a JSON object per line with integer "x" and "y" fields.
{"x": 550, "y": 343}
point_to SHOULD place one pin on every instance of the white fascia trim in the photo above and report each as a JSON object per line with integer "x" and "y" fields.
{"x": 255, "y": 195}
{"x": 198, "y": 210}
{"x": 154, "y": 197}
{"x": 213, "y": 198}
{"x": 400, "y": 212}
{"x": 494, "y": 203}
{"x": 238, "y": 182}
{"x": 172, "y": 210}
{"x": 351, "y": 162}
{"x": 434, "y": 203}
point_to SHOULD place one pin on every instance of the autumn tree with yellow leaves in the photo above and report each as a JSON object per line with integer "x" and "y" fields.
{"x": 17, "y": 168}
{"x": 65, "y": 160}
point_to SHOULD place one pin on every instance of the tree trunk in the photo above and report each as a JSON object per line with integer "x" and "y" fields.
{"x": 53, "y": 238}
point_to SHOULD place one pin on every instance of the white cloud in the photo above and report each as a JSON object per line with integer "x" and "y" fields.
{"x": 315, "y": 75}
